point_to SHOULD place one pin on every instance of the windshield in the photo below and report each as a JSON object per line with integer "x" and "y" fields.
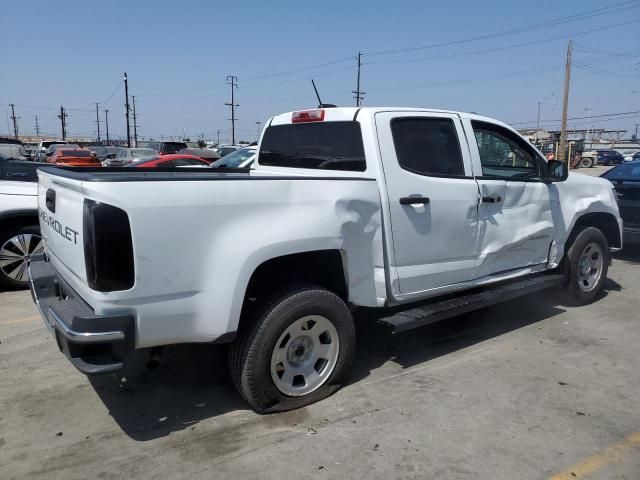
{"x": 48, "y": 144}
{"x": 173, "y": 147}
{"x": 626, "y": 171}
{"x": 319, "y": 145}
{"x": 235, "y": 159}
{"x": 76, "y": 153}
{"x": 143, "y": 152}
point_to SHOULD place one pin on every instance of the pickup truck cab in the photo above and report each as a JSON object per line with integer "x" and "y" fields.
{"x": 416, "y": 214}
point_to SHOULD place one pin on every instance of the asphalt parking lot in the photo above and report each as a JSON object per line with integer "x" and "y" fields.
{"x": 528, "y": 389}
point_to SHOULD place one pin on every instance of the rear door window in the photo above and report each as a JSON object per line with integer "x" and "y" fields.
{"x": 320, "y": 145}
{"x": 427, "y": 146}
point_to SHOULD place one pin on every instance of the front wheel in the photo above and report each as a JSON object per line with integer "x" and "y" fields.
{"x": 586, "y": 265}
{"x": 297, "y": 350}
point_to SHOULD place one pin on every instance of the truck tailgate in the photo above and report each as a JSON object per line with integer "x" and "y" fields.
{"x": 60, "y": 208}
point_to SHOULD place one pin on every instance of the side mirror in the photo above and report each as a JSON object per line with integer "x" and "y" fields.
{"x": 558, "y": 171}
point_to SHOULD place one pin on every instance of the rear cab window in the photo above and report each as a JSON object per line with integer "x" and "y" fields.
{"x": 334, "y": 145}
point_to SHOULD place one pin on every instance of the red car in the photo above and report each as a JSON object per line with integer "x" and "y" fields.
{"x": 170, "y": 161}
{"x": 74, "y": 157}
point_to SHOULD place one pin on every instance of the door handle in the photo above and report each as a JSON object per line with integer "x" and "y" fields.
{"x": 414, "y": 200}
{"x": 491, "y": 199}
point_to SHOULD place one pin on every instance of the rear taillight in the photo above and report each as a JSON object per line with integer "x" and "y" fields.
{"x": 108, "y": 250}
{"x": 308, "y": 116}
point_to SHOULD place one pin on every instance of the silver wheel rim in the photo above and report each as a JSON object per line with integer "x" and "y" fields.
{"x": 590, "y": 267}
{"x": 305, "y": 355}
{"x": 16, "y": 253}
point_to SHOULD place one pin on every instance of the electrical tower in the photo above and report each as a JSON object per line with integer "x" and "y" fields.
{"x": 98, "y": 121}
{"x": 358, "y": 95}
{"x": 15, "y": 120}
{"x": 63, "y": 122}
{"x": 233, "y": 81}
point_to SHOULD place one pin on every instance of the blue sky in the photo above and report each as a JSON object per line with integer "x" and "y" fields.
{"x": 178, "y": 54}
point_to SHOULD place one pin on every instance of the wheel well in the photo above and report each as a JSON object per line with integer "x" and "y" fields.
{"x": 17, "y": 221}
{"x": 321, "y": 267}
{"x": 605, "y": 222}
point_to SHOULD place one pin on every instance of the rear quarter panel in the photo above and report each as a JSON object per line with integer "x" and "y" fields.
{"x": 197, "y": 243}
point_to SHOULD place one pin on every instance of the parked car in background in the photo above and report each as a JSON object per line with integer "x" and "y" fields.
{"x": 43, "y": 148}
{"x": 629, "y": 156}
{"x": 103, "y": 152}
{"x": 167, "y": 148}
{"x": 125, "y": 156}
{"x": 626, "y": 183}
{"x": 636, "y": 156}
{"x": 609, "y": 157}
{"x": 74, "y": 157}
{"x": 206, "y": 154}
{"x": 242, "y": 158}
{"x": 56, "y": 146}
{"x": 227, "y": 149}
{"x": 170, "y": 161}
{"x": 19, "y": 228}
{"x": 12, "y": 151}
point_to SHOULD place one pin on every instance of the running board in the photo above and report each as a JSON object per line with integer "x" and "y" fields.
{"x": 443, "y": 309}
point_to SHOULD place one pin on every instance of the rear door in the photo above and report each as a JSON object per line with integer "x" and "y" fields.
{"x": 433, "y": 199}
{"x": 515, "y": 220}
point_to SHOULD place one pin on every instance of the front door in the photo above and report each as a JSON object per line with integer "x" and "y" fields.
{"x": 433, "y": 199}
{"x": 515, "y": 222}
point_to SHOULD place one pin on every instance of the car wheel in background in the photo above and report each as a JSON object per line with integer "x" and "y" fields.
{"x": 17, "y": 245}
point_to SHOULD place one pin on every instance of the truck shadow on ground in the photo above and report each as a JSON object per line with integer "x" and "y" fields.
{"x": 192, "y": 382}
{"x": 630, "y": 254}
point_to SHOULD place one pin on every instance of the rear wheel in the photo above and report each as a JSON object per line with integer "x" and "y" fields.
{"x": 298, "y": 349}
{"x": 587, "y": 264}
{"x": 17, "y": 245}
{"x": 586, "y": 162}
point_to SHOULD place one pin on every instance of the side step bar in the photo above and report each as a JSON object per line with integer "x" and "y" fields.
{"x": 440, "y": 310}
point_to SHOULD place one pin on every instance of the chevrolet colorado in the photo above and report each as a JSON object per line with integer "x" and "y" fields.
{"x": 417, "y": 214}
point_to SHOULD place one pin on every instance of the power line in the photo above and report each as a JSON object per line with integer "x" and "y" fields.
{"x": 507, "y": 47}
{"x": 604, "y": 115}
{"x": 618, "y": 7}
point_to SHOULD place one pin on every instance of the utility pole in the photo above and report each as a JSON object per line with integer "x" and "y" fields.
{"x": 126, "y": 108}
{"x": 63, "y": 122}
{"x": 588, "y": 126}
{"x": 37, "y": 127}
{"x": 15, "y": 120}
{"x": 106, "y": 123}
{"x": 538, "y": 122}
{"x": 258, "y": 134}
{"x": 98, "y": 121}
{"x": 218, "y": 143}
{"x": 565, "y": 105}
{"x": 233, "y": 81}
{"x": 359, "y": 96}
{"x": 135, "y": 123}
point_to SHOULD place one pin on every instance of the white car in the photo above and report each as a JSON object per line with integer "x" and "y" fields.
{"x": 242, "y": 158}
{"x": 42, "y": 148}
{"x": 628, "y": 156}
{"x": 431, "y": 212}
{"x": 19, "y": 231}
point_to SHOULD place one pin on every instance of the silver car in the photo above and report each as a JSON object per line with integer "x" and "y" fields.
{"x": 124, "y": 156}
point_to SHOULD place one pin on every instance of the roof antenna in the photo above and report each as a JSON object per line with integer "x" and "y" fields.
{"x": 320, "y": 104}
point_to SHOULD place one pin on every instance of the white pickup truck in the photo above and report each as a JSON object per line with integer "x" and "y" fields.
{"x": 421, "y": 214}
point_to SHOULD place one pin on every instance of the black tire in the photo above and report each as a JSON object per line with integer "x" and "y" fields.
{"x": 586, "y": 162}
{"x": 585, "y": 236}
{"x": 7, "y": 233}
{"x": 250, "y": 353}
